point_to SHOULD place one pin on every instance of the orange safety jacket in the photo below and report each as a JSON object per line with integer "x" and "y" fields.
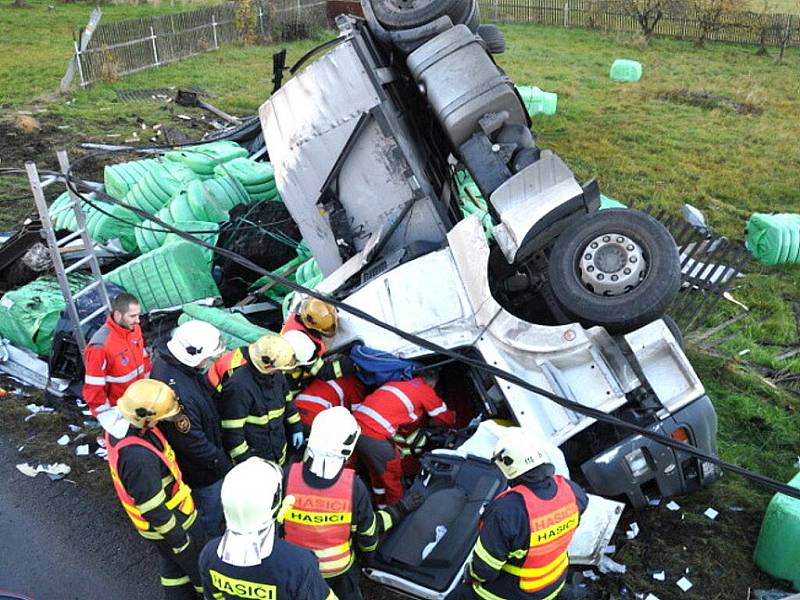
{"x": 553, "y": 524}
{"x": 321, "y": 520}
{"x": 176, "y": 494}
{"x": 224, "y": 366}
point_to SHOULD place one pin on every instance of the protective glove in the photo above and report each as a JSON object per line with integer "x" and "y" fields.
{"x": 297, "y": 439}
{"x": 184, "y": 546}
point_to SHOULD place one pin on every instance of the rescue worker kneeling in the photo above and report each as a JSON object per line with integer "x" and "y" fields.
{"x": 328, "y": 508}
{"x": 521, "y": 552}
{"x": 150, "y": 486}
{"x": 248, "y": 561}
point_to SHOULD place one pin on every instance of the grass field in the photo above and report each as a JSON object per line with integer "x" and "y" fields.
{"x": 776, "y": 6}
{"x": 642, "y": 148}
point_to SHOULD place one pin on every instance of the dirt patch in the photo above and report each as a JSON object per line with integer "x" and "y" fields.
{"x": 710, "y": 101}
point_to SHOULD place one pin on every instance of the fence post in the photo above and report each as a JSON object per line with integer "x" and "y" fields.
{"x": 214, "y": 30}
{"x": 496, "y": 10}
{"x": 566, "y": 14}
{"x": 261, "y": 21}
{"x": 155, "y": 49}
{"x": 80, "y": 66}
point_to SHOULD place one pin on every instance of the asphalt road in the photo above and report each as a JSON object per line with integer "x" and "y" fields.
{"x": 57, "y": 544}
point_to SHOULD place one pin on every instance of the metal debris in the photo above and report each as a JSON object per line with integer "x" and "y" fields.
{"x": 607, "y": 565}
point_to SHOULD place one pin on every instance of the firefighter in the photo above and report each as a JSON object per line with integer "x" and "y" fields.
{"x": 195, "y": 434}
{"x": 521, "y": 552}
{"x": 257, "y": 410}
{"x": 390, "y": 416}
{"x": 150, "y": 486}
{"x": 328, "y": 508}
{"x": 115, "y": 356}
{"x": 248, "y": 561}
{"x": 316, "y": 319}
{"x": 348, "y": 392}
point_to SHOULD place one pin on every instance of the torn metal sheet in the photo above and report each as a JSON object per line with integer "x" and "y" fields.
{"x": 595, "y": 530}
{"x": 26, "y": 367}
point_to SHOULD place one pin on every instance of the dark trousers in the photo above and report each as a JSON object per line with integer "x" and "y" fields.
{"x": 382, "y": 459}
{"x": 346, "y": 585}
{"x": 180, "y": 575}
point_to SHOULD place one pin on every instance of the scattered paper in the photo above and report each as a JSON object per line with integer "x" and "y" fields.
{"x": 633, "y": 530}
{"x": 736, "y": 508}
{"x": 101, "y": 453}
{"x": 441, "y": 531}
{"x": 35, "y": 409}
{"x": 652, "y": 597}
{"x": 654, "y": 501}
{"x": 184, "y": 117}
{"x": 63, "y": 440}
{"x": 684, "y": 584}
{"x": 745, "y": 351}
{"x": 74, "y": 428}
{"x": 673, "y": 506}
{"x": 607, "y": 565}
{"x": 82, "y": 450}
{"x": 100, "y": 441}
{"x": 26, "y": 469}
{"x": 711, "y": 513}
{"x": 54, "y": 471}
{"x": 610, "y": 549}
{"x": 660, "y": 576}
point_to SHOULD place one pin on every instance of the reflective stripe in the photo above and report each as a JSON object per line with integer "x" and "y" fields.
{"x": 314, "y": 400}
{"x": 125, "y": 378}
{"x": 168, "y": 526}
{"x": 338, "y": 389}
{"x": 400, "y": 395}
{"x": 155, "y": 501}
{"x": 331, "y": 596}
{"x": 239, "y": 450}
{"x": 264, "y": 419}
{"x": 337, "y": 368}
{"x": 535, "y": 572}
{"x": 295, "y": 418}
{"x": 378, "y": 418}
{"x": 198, "y": 588}
{"x": 233, "y": 423}
{"x": 91, "y": 380}
{"x": 371, "y": 529}
{"x": 334, "y": 568}
{"x": 483, "y": 554}
{"x": 487, "y": 595}
{"x": 175, "y": 581}
{"x": 165, "y": 481}
{"x": 328, "y": 552}
{"x": 316, "y": 367}
{"x": 386, "y": 520}
{"x": 437, "y": 411}
{"x": 473, "y": 574}
{"x": 378, "y": 490}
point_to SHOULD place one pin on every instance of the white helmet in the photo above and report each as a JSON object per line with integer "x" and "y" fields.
{"x": 194, "y": 342}
{"x": 331, "y": 442}
{"x": 516, "y": 454}
{"x": 304, "y": 347}
{"x": 251, "y": 498}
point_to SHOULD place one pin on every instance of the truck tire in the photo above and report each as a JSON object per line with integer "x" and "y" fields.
{"x": 494, "y": 38}
{"x": 407, "y": 14}
{"x": 618, "y": 268}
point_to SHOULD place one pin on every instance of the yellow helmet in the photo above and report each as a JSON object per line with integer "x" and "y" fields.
{"x": 319, "y": 316}
{"x": 148, "y": 401}
{"x": 272, "y": 353}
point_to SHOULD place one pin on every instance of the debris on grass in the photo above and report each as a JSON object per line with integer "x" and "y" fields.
{"x": 710, "y": 101}
{"x": 684, "y": 584}
{"x": 633, "y": 530}
{"x": 82, "y": 450}
{"x": 652, "y": 597}
{"x": 63, "y": 440}
{"x": 660, "y": 576}
{"x": 711, "y": 513}
{"x": 54, "y": 471}
{"x": 608, "y": 565}
{"x": 27, "y": 124}
{"x": 673, "y": 506}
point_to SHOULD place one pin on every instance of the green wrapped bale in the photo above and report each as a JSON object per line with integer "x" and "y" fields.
{"x": 626, "y": 70}
{"x": 247, "y": 171}
{"x": 204, "y": 158}
{"x": 151, "y": 235}
{"x": 778, "y": 549}
{"x": 538, "y": 102}
{"x": 236, "y": 330}
{"x": 104, "y": 221}
{"x": 155, "y": 189}
{"x": 120, "y": 178}
{"x": 171, "y": 275}
{"x": 774, "y": 239}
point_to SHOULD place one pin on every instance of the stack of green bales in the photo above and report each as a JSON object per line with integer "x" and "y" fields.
{"x": 156, "y": 187}
{"x": 236, "y": 330}
{"x": 104, "y": 221}
{"x": 120, "y": 178}
{"x": 538, "y": 102}
{"x": 204, "y": 158}
{"x": 257, "y": 178}
{"x": 774, "y": 239}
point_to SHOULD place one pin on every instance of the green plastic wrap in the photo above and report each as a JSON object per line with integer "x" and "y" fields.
{"x": 104, "y": 221}
{"x": 778, "y": 549}
{"x": 151, "y": 236}
{"x": 120, "y": 178}
{"x": 626, "y": 70}
{"x": 774, "y": 239}
{"x": 538, "y": 102}
{"x": 204, "y": 158}
{"x": 236, "y": 330}
{"x": 171, "y": 275}
{"x": 156, "y": 187}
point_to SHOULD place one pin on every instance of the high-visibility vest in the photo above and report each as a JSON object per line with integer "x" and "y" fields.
{"x": 224, "y": 366}
{"x": 176, "y": 494}
{"x": 553, "y": 524}
{"x": 320, "y": 520}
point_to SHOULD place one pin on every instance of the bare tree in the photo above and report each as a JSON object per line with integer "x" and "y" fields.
{"x": 19, "y": 4}
{"x": 763, "y": 25}
{"x": 710, "y": 16}
{"x": 647, "y": 13}
{"x": 786, "y": 33}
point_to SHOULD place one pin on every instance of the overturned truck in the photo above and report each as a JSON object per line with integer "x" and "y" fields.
{"x": 367, "y": 141}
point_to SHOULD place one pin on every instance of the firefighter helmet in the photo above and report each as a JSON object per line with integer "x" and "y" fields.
{"x": 304, "y": 347}
{"x": 516, "y": 453}
{"x": 319, "y": 316}
{"x": 194, "y": 342}
{"x": 147, "y": 401}
{"x": 271, "y": 353}
{"x": 251, "y": 495}
{"x": 333, "y": 438}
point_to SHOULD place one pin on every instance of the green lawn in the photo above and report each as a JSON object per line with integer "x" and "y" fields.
{"x": 776, "y": 6}
{"x": 642, "y": 149}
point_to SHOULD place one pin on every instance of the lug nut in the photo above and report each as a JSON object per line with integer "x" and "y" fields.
{"x": 634, "y": 259}
{"x": 590, "y": 268}
{"x": 587, "y": 256}
{"x": 627, "y": 271}
{"x": 607, "y": 238}
{"x": 594, "y": 246}
{"x": 620, "y": 240}
{"x": 630, "y": 248}
{"x": 614, "y": 278}
{"x": 600, "y": 277}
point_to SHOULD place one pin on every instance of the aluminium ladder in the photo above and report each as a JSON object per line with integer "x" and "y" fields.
{"x": 87, "y": 256}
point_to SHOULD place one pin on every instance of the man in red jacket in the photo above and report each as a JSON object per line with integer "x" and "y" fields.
{"x": 115, "y": 356}
{"x": 390, "y": 414}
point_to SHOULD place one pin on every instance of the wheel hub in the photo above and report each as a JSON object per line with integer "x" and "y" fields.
{"x": 612, "y": 264}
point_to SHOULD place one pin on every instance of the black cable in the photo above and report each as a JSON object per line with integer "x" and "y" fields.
{"x": 774, "y": 485}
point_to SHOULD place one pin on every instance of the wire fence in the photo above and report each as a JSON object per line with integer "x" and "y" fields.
{"x": 125, "y": 47}
{"x": 681, "y": 21}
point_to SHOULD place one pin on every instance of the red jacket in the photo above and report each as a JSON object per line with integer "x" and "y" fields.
{"x": 115, "y": 357}
{"x": 343, "y": 391}
{"x": 293, "y": 324}
{"x": 399, "y": 406}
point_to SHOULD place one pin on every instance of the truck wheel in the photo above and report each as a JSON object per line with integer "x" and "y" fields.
{"x": 494, "y": 38}
{"x": 407, "y": 14}
{"x": 618, "y": 268}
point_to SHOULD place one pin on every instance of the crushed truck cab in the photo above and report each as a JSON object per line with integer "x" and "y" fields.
{"x": 365, "y": 142}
